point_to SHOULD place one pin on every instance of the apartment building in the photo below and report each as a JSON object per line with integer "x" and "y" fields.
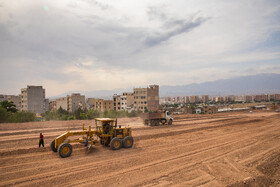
{"x": 12, "y": 98}
{"x": 240, "y": 98}
{"x": 52, "y": 105}
{"x": 248, "y": 98}
{"x": 194, "y": 99}
{"x": 146, "y": 98}
{"x": 177, "y": 99}
{"x": 274, "y": 97}
{"x": 153, "y": 98}
{"x": 263, "y": 97}
{"x": 141, "y": 99}
{"x": 219, "y": 99}
{"x": 62, "y": 103}
{"x": 117, "y": 102}
{"x": 186, "y": 99}
{"x": 129, "y": 101}
{"x": 100, "y": 105}
{"x": 76, "y": 101}
{"x": 33, "y": 99}
{"x": 72, "y": 102}
{"x": 205, "y": 98}
{"x": 108, "y": 105}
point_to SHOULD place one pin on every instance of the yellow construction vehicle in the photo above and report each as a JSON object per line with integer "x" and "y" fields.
{"x": 107, "y": 132}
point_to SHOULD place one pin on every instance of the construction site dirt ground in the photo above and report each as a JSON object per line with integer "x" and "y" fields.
{"x": 229, "y": 149}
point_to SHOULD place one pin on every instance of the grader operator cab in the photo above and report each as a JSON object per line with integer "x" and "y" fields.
{"x": 107, "y": 132}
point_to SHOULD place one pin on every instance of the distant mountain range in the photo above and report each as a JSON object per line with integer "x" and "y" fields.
{"x": 254, "y": 84}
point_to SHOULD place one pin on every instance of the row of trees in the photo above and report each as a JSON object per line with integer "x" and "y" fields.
{"x": 80, "y": 114}
{"x": 9, "y": 114}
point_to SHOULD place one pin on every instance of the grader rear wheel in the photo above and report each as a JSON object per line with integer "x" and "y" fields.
{"x": 65, "y": 150}
{"x": 52, "y": 145}
{"x": 116, "y": 143}
{"x": 128, "y": 142}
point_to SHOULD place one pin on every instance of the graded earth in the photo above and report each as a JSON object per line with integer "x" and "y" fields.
{"x": 230, "y": 149}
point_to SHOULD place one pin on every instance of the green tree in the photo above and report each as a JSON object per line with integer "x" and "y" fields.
{"x": 3, "y": 115}
{"x": 9, "y": 106}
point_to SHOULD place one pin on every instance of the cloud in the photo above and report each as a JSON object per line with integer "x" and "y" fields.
{"x": 170, "y": 25}
{"x": 92, "y": 45}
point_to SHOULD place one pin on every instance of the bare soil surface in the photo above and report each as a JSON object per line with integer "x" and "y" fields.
{"x": 230, "y": 149}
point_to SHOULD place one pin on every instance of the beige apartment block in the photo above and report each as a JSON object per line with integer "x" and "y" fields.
{"x": 72, "y": 102}
{"x": 194, "y": 99}
{"x": 126, "y": 101}
{"x": 62, "y": 103}
{"x": 248, "y": 98}
{"x": 140, "y": 99}
{"x": 12, "y": 98}
{"x": 153, "y": 98}
{"x": 274, "y": 97}
{"x": 33, "y": 99}
{"x": 108, "y": 105}
{"x": 129, "y": 97}
{"x": 76, "y": 101}
{"x": 117, "y": 102}
{"x": 219, "y": 99}
{"x": 263, "y": 97}
{"x": 205, "y": 98}
{"x": 146, "y": 98}
{"x": 52, "y": 105}
{"x": 100, "y": 104}
{"x": 186, "y": 99}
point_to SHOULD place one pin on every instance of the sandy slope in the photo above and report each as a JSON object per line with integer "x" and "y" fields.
{"x": 235, "y": 149}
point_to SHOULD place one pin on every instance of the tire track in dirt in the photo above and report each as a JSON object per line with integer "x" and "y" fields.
{"x": 72, "y": 170}
{"x": 156, "y": 134}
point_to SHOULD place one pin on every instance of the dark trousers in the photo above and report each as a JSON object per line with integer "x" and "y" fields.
{"x": 41, "y": 142}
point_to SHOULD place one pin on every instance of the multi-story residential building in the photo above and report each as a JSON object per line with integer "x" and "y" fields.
{"x": 33, "y": 99}
{"x": 129, "y": 100}
{"x": 12, "y": 98}
{"x": 52, "y": 105}
{"x": 76, "y": 101}
{"x": 146, "y": 98}
{"x": 177, "y": 99}
{"x": 205, "y": 98}
{"x": 72, "y": 102}
{"x": 168, "y": 100}
{"x": 108, "y": 105}
{"x": 239, "y": 98}
{"x": 62, "y": 103}
{"x": 194, "y": 99}
{"x": 219, "y": 99}
{"x": 263, "y": 97}
{"x": 275, "y": 97}
{"x": 153, "y": 98}
{"x": 100, "y": 104}
{"x": 123, "y": 102}
{"x": 186, "y": 99}
{"x": 117, "y": 102}
{"x": 248, "y": 98}
{"x": 140, "y": 99}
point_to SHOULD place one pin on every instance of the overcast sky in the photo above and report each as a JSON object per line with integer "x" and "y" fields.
{"x": 90, "y": 45}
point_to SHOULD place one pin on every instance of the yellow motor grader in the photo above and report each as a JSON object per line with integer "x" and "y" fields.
{"x": 106, "y": 131}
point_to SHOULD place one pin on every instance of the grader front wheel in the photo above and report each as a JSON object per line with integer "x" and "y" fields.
{"x": 115, "y": 143}
{"x": 65, "y": 150}
{"x": 52, "y": 145}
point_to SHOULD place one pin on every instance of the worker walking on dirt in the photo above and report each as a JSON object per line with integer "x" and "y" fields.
{"x": 41, "y": 140}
